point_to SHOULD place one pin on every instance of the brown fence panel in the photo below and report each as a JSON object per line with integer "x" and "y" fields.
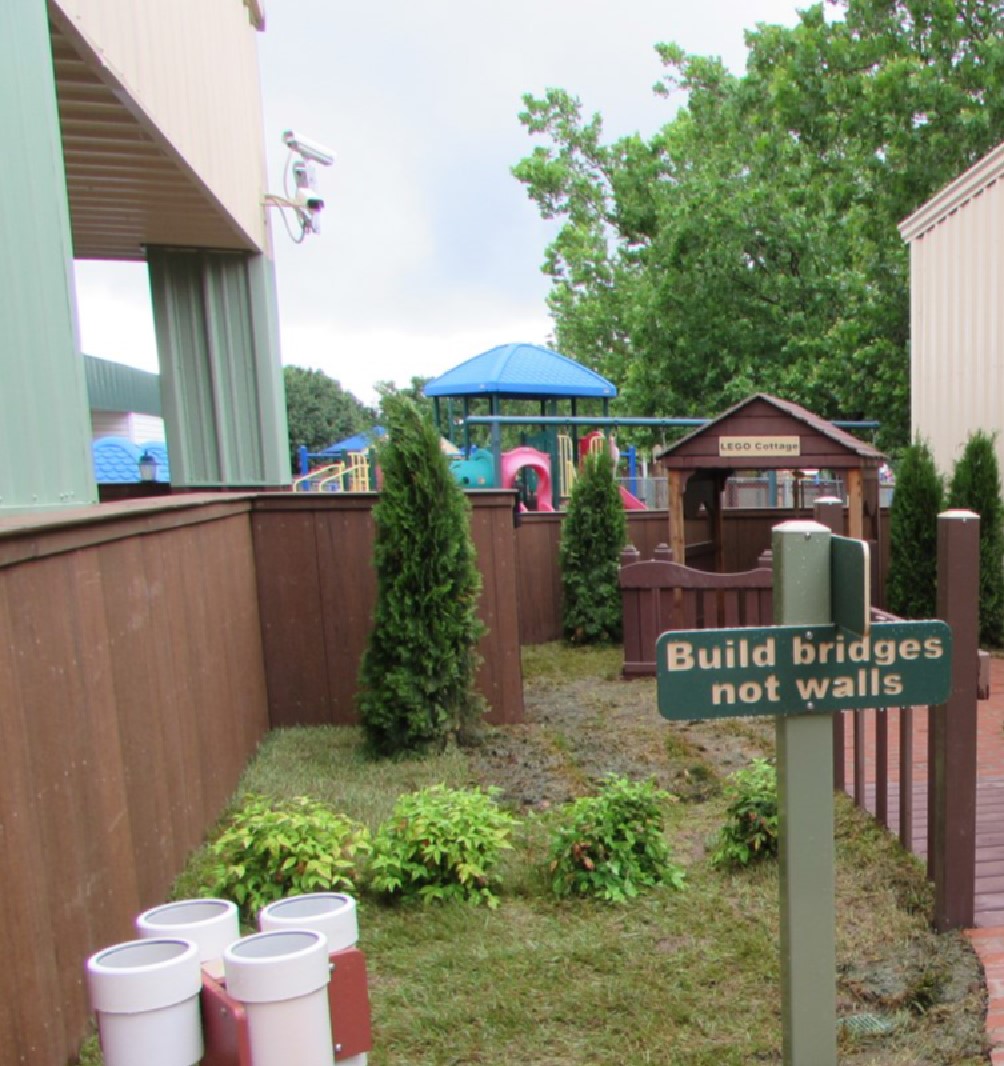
{"x": 500, "y": 676}
{"x": 133, "y": 696}
{"x": 317, "y": 591}
{"x": 658, "y": 596}
{"x": 746, "y": 534}
{"x": 539, "y": 577}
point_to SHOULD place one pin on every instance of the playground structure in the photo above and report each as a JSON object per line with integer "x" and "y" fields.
{"x": 543, "y": 465}
{"x": 352, "y": 467}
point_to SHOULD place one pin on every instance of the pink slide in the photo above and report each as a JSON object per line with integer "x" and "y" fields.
{"x": 630, "y": 501}
{"x": 539, "y": 462}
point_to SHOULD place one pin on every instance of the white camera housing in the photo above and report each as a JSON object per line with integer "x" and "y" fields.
{"x": 309, "y": 149}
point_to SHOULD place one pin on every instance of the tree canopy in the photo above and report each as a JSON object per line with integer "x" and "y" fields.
{"x": 320, "y": 412}
{"x": 751, "y": 244}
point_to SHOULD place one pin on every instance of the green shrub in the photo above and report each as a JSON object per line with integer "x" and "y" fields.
{"x": 592, "y": 537}
{"x": 913, "y": 534}
{"x": 976, "y": 486}
{"x": 751, "y": 833}
{"x": 416, "y": 686}
{"x": 442, "y": 844}
{"x": 271, "y": 849}
{"x": 611, "y": 846}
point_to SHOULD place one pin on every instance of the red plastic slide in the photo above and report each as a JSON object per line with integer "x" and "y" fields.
{"x": 630, "y": 501}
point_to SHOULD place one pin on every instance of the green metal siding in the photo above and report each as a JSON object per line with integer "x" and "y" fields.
{"x": 114, "y": 387}
{"x": 221, "y": 385}
{"x": 44, "y": 424}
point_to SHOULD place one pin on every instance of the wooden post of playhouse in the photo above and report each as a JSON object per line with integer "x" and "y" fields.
{"x": 829, "y": 511}
{"x": 855, "y": 505}
{"x": 952, "y": 730}
{"x": 677, "y": 530}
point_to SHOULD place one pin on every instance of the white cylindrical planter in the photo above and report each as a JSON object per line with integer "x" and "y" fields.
{"x": 281, "y": 977}
{"x": 330, "y": 913}
{"x": 146, "y": 996}
{"x": 211, "y": 924}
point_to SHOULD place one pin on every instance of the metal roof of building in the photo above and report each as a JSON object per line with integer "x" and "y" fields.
{"x": 520, "y": 370}
{"x": 115, "y": 387}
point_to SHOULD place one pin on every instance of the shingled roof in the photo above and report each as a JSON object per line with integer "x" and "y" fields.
{"x": 822, "y": 444}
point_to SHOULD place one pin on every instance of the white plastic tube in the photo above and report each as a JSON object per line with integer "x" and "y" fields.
{"x": 146, "y": 996}
{"x": 331, "y": 913}
{"x": 281, "y": 977}
{"x": 211, "y": 924}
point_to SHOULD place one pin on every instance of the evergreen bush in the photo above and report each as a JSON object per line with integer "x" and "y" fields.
{"x": 976, "y": 486}
{"x": 417, "y": 675}
{"x": 913, "y": 549}
{"x": 592, "y": 537}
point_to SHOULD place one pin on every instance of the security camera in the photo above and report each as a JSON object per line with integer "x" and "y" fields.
{"x": 311, "y": 150}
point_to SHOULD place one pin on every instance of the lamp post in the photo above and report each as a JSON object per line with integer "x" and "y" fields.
{"x": 147, "y": 467}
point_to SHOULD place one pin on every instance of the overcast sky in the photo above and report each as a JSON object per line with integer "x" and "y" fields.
{"x": 430, "y": 250}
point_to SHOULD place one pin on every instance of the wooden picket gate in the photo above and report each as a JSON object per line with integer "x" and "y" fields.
{"x": 658, "y": 595}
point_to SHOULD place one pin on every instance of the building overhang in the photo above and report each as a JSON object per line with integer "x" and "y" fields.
{"x": 127, "y": 186}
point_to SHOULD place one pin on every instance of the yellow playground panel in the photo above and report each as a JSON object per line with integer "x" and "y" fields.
{"x": 566, "y": 465}
{"x": 338, "y": 477}
{"x": 358, "y": 472}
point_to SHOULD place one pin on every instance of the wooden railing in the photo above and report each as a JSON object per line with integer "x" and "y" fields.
{"x": 658, "y": 595}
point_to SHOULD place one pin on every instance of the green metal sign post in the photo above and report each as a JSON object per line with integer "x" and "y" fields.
{"x": 822, "y": 655}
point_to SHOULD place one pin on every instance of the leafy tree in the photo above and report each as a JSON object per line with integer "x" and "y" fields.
{"x": 913, "y": 530}
{"x": 417, "y": 674}
{"x": 592, "y": 536}
{"x": 414, "y": 392}
{"x": 320, "y": 411}
{"x": 752, "y": 242}
{"x": 976, "y": 486}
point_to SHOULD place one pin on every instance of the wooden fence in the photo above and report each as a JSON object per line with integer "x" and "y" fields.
{"x": 317, "y": 590}
{"x": 133, "y": 695}
{"x": 658, "y": 595}
{"x": 746, "y": 533}
{"x": 145, "y": 649}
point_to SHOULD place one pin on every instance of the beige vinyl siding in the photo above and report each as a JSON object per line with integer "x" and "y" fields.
{"x": 197, "y": 90}
{"x": 138, "y": 428}
{"x": 957, "y": 302}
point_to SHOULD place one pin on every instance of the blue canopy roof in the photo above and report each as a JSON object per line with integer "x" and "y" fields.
{"x": 361, "y": 442}
{"x": 520, "y": 370}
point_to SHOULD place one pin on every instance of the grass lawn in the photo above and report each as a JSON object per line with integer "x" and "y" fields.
{"x": 688, "y": 977}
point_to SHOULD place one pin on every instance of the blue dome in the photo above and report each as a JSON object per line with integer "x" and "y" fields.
{"x": 520, "y": 370}
{"x": 116, "y": 460}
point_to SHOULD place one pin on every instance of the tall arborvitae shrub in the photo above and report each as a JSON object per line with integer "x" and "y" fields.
{"x": 976, "y": 486}
{"x": 913, "y": 550}
{"x": 592, "y": 537}
{"x": 417, "y": 674}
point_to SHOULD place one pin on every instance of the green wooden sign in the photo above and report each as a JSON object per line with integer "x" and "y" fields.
{"x": 784, "y": 670}
{"x": 850, "y": 584}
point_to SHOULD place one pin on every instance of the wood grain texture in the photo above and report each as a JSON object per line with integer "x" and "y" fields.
{"x": 133, "y": 695}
